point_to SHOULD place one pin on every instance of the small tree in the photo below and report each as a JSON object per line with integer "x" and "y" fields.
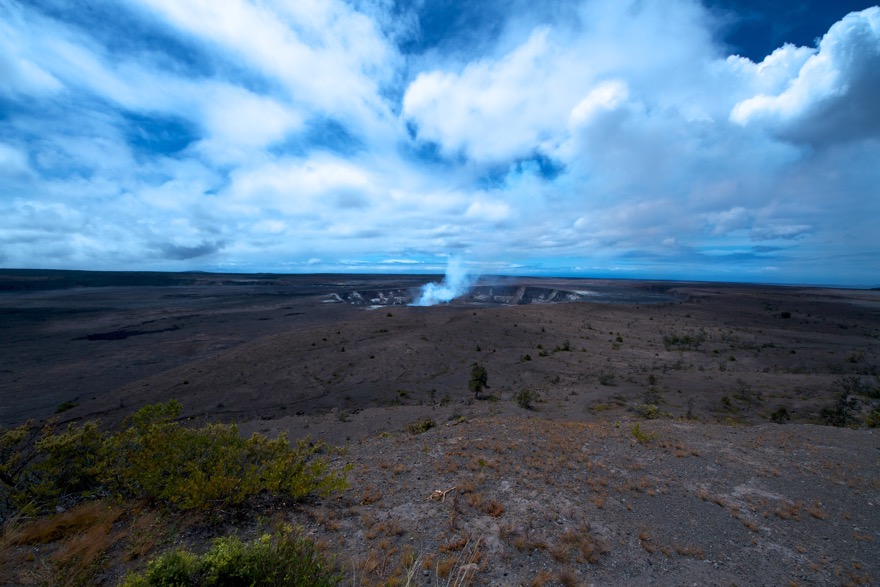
{"x": 479, "y": 378}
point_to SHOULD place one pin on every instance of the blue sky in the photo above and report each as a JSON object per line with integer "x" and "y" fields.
{"x": 715, "y": 140}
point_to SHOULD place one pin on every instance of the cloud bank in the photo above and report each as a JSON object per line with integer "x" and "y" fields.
{"x": 596, "y": 138}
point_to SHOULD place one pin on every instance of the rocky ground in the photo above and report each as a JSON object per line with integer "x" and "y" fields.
{"x": 679, "y": 442}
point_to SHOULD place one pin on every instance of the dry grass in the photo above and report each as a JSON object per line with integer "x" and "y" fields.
{"x": 78, "y": 541}
{"x": 148, "y": 529}
{"x": 371, "y": 495}
{"x": 815, "y": 510}
{"x": 387, "y": 528}
{"x": 567, "y": 578}
{"x": 461, "y": 570}
{"x": 789, "y": 510}
{"x": 455, "y": 545}
{"x": 599, "y": 500}
{"x": 79, "y": 519}
{"x": 541, "y": 579}
{"x": 588, "y": 547}
{"x": 493, "y": 508}
{"x": 691, "y": 551}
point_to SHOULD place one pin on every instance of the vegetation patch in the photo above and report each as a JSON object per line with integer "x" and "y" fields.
{"x": 780, "y": 415}
{"x": 640, "y": 435}
{"x": 525, "y": 398}
{"x": 285, "y": 557}
{"x": 421, "y": 426}
{"x": 479, "y": 379}
{"x": 683, "y": 342}
{"x": 157, "y": 459}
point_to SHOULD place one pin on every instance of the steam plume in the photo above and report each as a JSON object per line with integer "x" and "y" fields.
{"x": 456, "y": 282}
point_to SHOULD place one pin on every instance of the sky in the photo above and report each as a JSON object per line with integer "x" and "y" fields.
{"x": 718, "y": 140}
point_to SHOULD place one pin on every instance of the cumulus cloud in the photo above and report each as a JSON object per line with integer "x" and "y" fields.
{"x": 506, "y": 106}
{"x": 830, "y": 93}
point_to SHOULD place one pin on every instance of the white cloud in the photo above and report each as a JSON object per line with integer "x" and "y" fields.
{"x": 488, "y": 211}
{"x": 238, "y": 122}
{"x": 13, "y": 162}
{"x": 605, "y": 97}
{"x": 614, "y": 136}
{"x": 322, "y": 53}
{"x": 508, "y": 106}
{"x": 18, "y": 73}
{"x": 832, "y": 95}
{"x": 729, "y": 221}
{"x": 489, "y": 111}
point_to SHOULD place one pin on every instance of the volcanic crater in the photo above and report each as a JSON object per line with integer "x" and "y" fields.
{"x": 509, "y": 294}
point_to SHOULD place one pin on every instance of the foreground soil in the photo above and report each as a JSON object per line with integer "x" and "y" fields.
{"x": 525, "y": 501}
{"x": 650, "y": 454}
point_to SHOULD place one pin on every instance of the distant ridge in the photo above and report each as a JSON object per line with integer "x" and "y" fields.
{"x": 43, "y": 279}
{"x": 49, "y": 279}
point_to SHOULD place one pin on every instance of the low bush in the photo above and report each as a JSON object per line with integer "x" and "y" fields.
{"x": 872, "y": 420}
{"x": 686, "y": 342}
{"x": 283, "y": 558}
{"x": 564, "y": 347}
{"x": 842, "y": 413}
{"x": 41, "y": 466}
{"x": 607, "y": 379}
{"x": 640, "y": 435}
{"x": 780, "y": 415}
{"x": 648, "y": 411}
{"x": 156, "y": 458}
{"x": 420, "y": 427}
{"x": 525, "y": 397}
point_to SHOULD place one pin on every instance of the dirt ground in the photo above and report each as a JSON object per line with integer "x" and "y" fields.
{"x": 677, "y": 433}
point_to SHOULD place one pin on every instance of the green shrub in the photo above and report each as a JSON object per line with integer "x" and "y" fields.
{"x": 780, "y": 415}
{"x": 525, "y": 397}
{"x": 39, "y": 467}
{"x": 177, "y": 568}
{"x": 685, "y": 342}
{"x": 420, "y": 427}
{"x": 156, "y": 458}
{"x": 283, "y": 558}
{"x": 212, "y": 466}
{"x": 607, "y": 379}
{"x": 64, "y": 406}
{"x": 479, "y": 379}
{"x": 727, "y": 405}
{"x": 648, "y": 411}
{"x": 842, "y": 412}
{"x": 640, "y": 435}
